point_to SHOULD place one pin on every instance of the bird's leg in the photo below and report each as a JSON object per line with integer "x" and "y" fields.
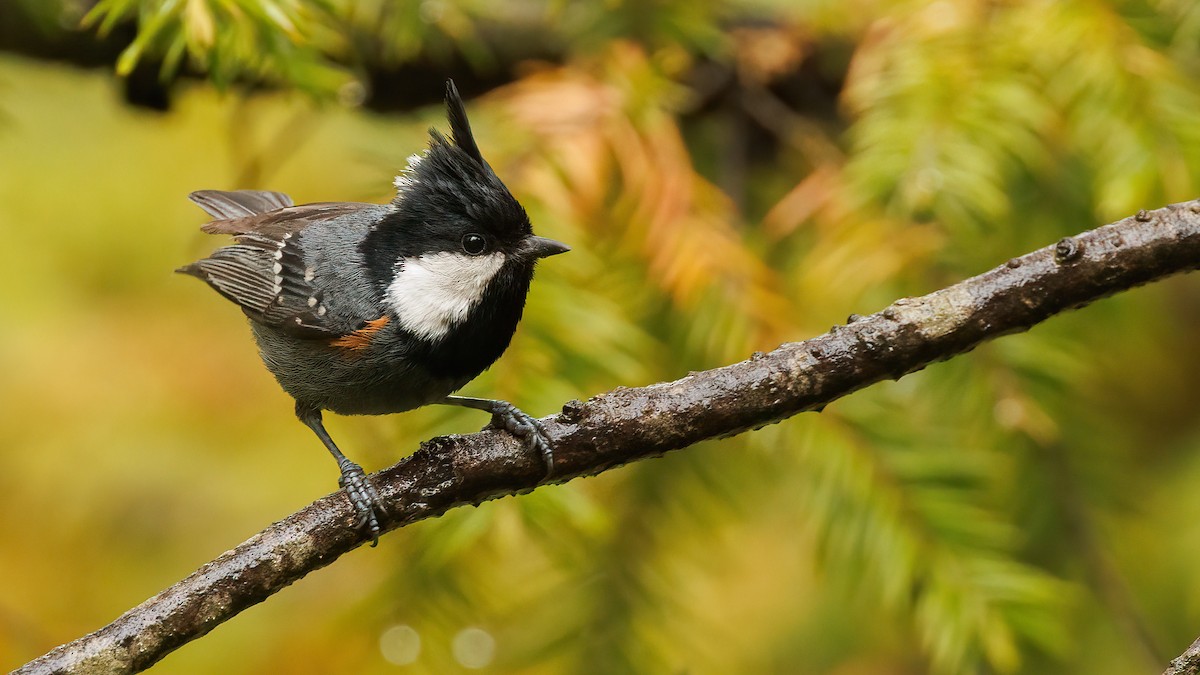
{"x": 362, "y": 493}
{"x": 510, "y": 418}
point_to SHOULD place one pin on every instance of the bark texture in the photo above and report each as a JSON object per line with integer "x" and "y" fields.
{"x": 1187, "y": 663}
{"x": 629, "y": 424}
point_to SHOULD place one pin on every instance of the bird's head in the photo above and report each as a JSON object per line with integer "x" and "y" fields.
{"x": 458, "y": 242}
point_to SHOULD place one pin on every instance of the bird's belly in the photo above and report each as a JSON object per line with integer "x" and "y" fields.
{"x": 348, "y": 383}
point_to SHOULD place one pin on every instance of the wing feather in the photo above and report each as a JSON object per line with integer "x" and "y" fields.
{"x": 240, "y": 273}
{"x": 265, "y": 271}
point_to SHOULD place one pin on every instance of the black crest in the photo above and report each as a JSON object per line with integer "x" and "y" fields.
{"x": 449, "y": 191}
{"x": 460, "y": 128}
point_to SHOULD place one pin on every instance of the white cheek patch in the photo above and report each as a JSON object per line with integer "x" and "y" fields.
{"x": 433, "y": 293}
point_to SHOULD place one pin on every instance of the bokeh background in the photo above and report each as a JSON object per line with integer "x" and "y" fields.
{"x": 731, "y": 174}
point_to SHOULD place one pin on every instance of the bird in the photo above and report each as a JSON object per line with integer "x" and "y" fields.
{"x": 374, "y": 309}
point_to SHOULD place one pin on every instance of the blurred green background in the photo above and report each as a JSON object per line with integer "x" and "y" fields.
{"x": 731, "y": 174}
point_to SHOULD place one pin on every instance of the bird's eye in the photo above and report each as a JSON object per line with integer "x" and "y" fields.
{"x": 474, "y": 244}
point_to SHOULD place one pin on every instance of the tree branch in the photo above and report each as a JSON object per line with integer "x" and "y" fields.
{"x": 1187, "y": 663}
{"x": 629, "y": 424}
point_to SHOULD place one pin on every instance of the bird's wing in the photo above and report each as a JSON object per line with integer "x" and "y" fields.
{"x": 265, "y": 271}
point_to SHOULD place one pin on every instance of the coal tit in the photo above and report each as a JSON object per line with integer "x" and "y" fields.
{"x": 369, "y": 309}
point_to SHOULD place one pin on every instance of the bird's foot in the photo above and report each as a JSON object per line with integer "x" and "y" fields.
{"x": 363, "y": 497}
{"x": 525, "y": 427}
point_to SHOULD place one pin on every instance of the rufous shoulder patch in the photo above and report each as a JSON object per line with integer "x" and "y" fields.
{"x": 361, "y": 338}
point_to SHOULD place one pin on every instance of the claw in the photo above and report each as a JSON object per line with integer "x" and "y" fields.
{"x": 527, "y": 428}
{"x": 508, "y": 417}
{"x": 363, "y": 497}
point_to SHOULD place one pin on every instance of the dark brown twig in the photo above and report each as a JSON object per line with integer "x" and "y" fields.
{"x": 629, "y": 424}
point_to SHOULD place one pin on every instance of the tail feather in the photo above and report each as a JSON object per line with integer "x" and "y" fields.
{"x": 223, "y": 204}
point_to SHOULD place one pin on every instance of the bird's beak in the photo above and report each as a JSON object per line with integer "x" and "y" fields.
{"x": 541, "y": 247}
